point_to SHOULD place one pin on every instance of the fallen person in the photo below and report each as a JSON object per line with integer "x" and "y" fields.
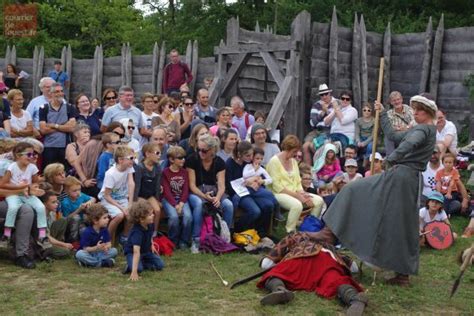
{"x": 302, "y": 262}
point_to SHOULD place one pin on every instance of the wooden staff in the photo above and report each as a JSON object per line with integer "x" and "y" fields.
{"x": 375, "y": 133}
{"x": 466, "y": 263}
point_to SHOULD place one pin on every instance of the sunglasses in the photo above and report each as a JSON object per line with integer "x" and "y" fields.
{"x": 345, "y": 99}
{"x": 131, "y": 127}
{"x": 324, "y": 94}
{"x": 155, "y": 101}
{"x": 158, "y": 153}
{"x": 367, "y": 110}
{"x": 120, "y": 135}
{"x": 188, "y": 104}
{"x": 129, "y": 157}
{"x": 170, "y": 106}
{"x": 115, "y": 143}
{"x": 111, "y": 98}
{"x": 30, "y": 155}
{"x": 180, "y": 157}
{"x": 204, "y": 151}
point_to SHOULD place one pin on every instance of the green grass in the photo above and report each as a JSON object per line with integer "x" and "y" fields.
{"x": 188, "y": 285}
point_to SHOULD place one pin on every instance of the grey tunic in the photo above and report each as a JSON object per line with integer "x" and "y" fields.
{"x": 377, "y": 217}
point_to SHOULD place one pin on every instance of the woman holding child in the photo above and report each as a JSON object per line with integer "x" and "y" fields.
{"x": 385, "y": 231}
{"x": 207, "y": 184}
{"x": 256, "y": 213}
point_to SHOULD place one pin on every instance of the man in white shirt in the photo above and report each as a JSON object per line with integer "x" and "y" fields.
{"x": 446, "y": 134}
{"x": 35, "y": 104}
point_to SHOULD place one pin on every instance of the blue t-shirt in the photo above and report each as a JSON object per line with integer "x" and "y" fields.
{"x": 60, "y": 77}
{"x": 139, "y": 236}
{"x": 106, "y": 160}
{"x": 68, "y": 206}
{"x": 90, "y": 237}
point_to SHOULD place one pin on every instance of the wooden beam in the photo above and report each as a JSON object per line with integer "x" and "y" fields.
{"x": 220, "y": 70}
{"x": 425, "y": 68}
{"x": 13, "y": 56}
{"x": 234, "y": 71}
{"x": 94, "y": 74}
{"x": 257, "y": 48}
{"x": 194, "y": 66}
{"x": 7, "y": 56}
{"x": 100, "y": 70}
{"x": 387, "y": 51}
{"x": 273, "y": 66}
{"x": 436, "y": 61}
{"x": 189, "y": 54}
{"x": 233, "y": 28}
{"x": 122, "y": 64}
{"x": 364, "y": 84}
{"x": 355, "y": 66}
{"x": 128, "y": 65}
{"x": 280, "y": 104}
{"x": 68, "y": 67}
{"x": 161, "y": 65}
{"x": 154, "y": 67}
{"x": 35, "y": 88}
{"x": 333, "y": 49}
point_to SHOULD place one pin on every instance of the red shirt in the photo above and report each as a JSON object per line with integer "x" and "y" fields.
{"x": 175, "y": 75}
{"x": 175, "y": 186}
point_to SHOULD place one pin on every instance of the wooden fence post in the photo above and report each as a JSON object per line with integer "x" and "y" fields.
{"x": 122, "y": 64}
{"x": 387, "y": 51}
{"x": 100, "y": 71}
{"x": 257, "y": 27}
{"x": 7, "y": 56}
{"x": 94, "y": 74}
{"x": 220, "y": 70}
{"x": 194, "y": 66}
{"x": 154, "y": 68}
{"x": 39, "y": 70}
{"x": 426, "y": 67}
{"x": 355, "y": 67}
{"x": 161, "y": 65}
{"x": 34, "y": 75}
{"x": 333, "y": 48}
{"x": 436, "y": 62}
{"x": 13, "y": 56}
{"x": 363, "y": 62}
{"x": 189, "y": 54}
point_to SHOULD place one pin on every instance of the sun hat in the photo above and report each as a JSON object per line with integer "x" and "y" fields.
{"x": 436, "y": 196}
{"x": 378, "y": 156}
{"x": 350, "y": 163}
{"x": 323, "y": 88}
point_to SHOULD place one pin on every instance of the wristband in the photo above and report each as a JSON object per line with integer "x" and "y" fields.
{"x": 56, "y": 126}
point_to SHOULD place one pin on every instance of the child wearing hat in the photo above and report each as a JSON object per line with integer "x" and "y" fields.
{"x": 351, "y": 174}
{"x": 433, "y": 211}
{"x": 378, "y": 164}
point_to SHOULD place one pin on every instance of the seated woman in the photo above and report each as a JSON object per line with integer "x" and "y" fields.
{"x": 166, "y": 118}
{"x": 87, "y": 114}
{"x": 82, "y": 135}
{"x": 21, "y": 123}
{"x": 229, "y": 139}
{"x": 256, "y": 212}
{"x": 190, "y": 145}
{"x": 364, "y": 127}
{"x": 223, "y": 121}
{"x": 185, "y": 116}
{"x": 259, "y": 138}
{"x": 207, "y": 184}
{"x": 286, "y": 185}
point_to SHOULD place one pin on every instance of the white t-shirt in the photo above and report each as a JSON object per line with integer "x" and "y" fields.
{"x": 347, "y": 125}
{"x": 347, "y": 179}
{"x": 117, "y": 181}
{"x": 147, "y": 122}
{"x": 19, "y": 176}
{"x": 249, "y": 171}
{"x": 425, "y": 217}
{"x": 448, "y": 129}
{"x": 429, "y": 182}
{"x": 19, "y": 123}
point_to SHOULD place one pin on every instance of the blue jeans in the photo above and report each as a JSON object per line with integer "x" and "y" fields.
{"x": 148, "y": 261}
{"x": 173, "y": 223}
{"x": 196, "y": 204}
{"x": 257, "y": 213}
{"x": 14, "y": 204}
{"x": 94, "y": 259}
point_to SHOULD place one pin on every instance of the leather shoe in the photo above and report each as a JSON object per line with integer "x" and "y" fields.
{"x": 25, "y": 263}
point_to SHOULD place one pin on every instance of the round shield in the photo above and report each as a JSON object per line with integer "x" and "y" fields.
{"x": 439, "y": 235}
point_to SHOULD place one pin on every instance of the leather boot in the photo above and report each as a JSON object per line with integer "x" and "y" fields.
{"x": 279, "y": 293}
{"x": 351, "y": 297}
{"x": 399, "y": 279}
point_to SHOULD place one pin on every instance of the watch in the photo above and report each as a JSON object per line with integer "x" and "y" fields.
{"x": 56, "y": 126}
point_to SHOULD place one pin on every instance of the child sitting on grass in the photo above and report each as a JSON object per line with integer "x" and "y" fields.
{"x": 74, "y": 204}
{"x": 175, "y": 184}
{"x": 139, "y": 249}
{"x": 96, "y": 247}
{"x": 117, "y": 192}
{"x": 433, "y": 212}
{"x": 57, "y": 227}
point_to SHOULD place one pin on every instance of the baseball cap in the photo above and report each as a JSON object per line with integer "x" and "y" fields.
{"x": 378, "y": 156}
{"x": 350, "y": 162}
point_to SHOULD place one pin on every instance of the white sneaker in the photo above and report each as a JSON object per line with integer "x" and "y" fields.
{"x": 195, "y": 248}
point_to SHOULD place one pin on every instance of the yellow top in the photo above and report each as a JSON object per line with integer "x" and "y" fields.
{"x": 283, "y": 179}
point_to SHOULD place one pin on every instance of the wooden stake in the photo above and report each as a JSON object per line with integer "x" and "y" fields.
{"x": 377, "y": 116}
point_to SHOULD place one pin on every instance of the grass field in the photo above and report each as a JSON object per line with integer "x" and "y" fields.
{"x": 188, "y": 285}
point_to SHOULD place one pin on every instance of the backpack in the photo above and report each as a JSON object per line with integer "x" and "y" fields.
{"x": 311, "y": 224}
{"x": 210, "y": 225}
{"x": 213, "y": 243}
